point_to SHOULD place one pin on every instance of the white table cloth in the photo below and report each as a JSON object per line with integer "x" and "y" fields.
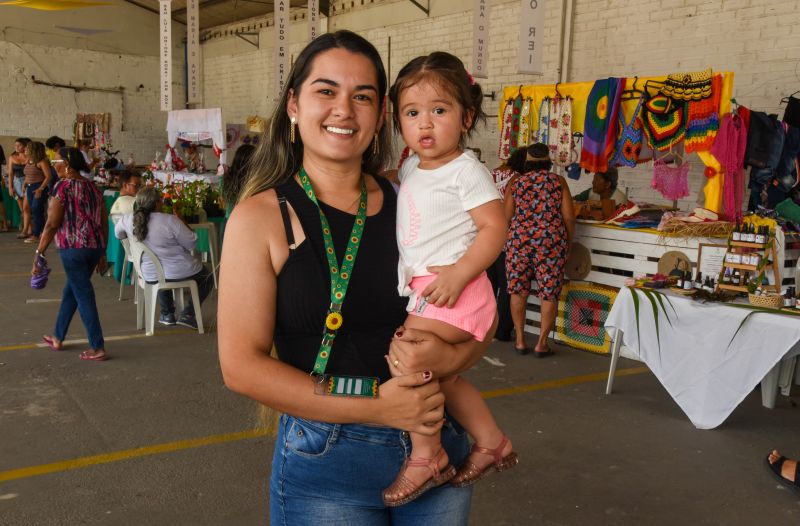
{"x": 694, "y": 358}
{"x": 173, "y": 176}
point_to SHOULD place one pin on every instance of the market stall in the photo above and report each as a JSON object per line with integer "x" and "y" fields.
{"x": 650, "y": 122}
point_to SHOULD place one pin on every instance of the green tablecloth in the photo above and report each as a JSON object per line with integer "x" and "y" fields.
{"x": 115, "y": 254}
{"x": 13, "y": 213}
{"x": 109, "y": 200}
{"x": 202, "y": 244}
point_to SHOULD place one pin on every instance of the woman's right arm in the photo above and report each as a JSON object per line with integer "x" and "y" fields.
{"x": 508, "y": 198}
{"x": 255, "y": 245}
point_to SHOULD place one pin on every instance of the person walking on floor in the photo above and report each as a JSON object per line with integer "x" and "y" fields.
{"x": 78, "y": 222}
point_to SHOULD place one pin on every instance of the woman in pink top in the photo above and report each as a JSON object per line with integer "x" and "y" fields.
{"x": 78, "y": 221}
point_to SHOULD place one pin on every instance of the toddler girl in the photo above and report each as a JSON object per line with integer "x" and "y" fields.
{"x": 450, "y": 227}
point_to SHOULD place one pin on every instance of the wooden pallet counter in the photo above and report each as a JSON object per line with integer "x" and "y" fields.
{"x": 616, "y": 254}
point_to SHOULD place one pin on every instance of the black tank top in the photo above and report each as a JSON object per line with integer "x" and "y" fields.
{"x": 372, "y": 309}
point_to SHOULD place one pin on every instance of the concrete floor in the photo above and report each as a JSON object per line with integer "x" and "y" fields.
{"x": 587, "y": 459}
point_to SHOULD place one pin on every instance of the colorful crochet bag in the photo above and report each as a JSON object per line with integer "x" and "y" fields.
{"x": 665, "y": 122}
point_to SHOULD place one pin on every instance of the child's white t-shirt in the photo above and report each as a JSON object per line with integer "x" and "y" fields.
{"x": 433, "y": 222}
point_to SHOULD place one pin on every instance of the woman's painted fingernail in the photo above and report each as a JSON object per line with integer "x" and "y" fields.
{"x": 427, "y": 375}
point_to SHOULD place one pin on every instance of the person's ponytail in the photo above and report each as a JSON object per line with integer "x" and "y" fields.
{"x": 143, "y": 206}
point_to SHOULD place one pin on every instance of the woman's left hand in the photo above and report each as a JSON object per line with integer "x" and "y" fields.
{"x": 413, "y": 350}
{"x": 102, "y": 265}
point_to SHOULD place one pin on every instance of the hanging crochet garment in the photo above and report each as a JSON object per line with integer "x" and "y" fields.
{"x": 671, "y": 181}
{"x": 702, "y": 120}
{"x": 665, "y": 122}
{"x": 524, "y": 138}
{"x": 504, "y": 152}
{"x": 516, "y": 113}
{"x": 688, "y": 86}
{"x": 729, "y": 148}
{"x": 600, "y": 127}
{"x": 542, "y": 132}
{"x": 629, "y": 144}
{"x": 560, "y": 135}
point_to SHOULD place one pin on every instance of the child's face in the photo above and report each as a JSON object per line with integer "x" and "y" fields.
{"x": 432, "y": 123}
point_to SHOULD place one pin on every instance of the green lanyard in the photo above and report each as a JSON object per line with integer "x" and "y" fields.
{"x": 340, "y": 277}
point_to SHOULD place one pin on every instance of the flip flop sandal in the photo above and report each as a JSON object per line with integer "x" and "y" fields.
{"x": 543, "y": 354}
{"x": 522, "y": 351}
{"x": 776, "y": 470}
{"x": 98, "y": 357}
{"x": 48, "y": 340}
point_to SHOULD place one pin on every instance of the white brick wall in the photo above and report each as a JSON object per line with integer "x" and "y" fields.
{"x": 759, "y": 40}
{"x": 38, "y": 111}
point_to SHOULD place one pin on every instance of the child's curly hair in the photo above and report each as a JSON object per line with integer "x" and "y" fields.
{"x": 448, "y": 72}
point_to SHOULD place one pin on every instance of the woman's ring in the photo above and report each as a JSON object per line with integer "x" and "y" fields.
{"x": 396, "y": 363}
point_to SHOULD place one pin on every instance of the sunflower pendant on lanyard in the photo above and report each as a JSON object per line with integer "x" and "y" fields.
{"x": 327, "y": 384}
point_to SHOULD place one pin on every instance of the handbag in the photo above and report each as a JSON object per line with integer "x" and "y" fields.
{"x": 39, "y": 281}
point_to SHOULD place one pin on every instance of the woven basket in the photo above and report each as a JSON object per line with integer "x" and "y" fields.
{"x": 772, "y": 301}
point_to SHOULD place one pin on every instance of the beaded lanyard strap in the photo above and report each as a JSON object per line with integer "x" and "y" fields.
{"x": 340, "y": 279}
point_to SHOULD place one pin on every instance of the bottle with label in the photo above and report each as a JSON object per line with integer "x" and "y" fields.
{"x": 698, "y": 280}
{"x": 736, "y": 235}
{"x": 736, "y": 279}
{"x": 751, "y": 234}
{"x": 687, "y": 280}
{"x": 760, "y": 237}
{"x": 727, "y": 277}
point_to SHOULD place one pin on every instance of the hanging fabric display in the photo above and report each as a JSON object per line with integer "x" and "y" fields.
{"x": 702, "y": 119}
{"x": 629, "y": 145}
{"x": 600, "y": 127}
{"x": 542, "y": 133}
{"x": 729, "y": 148}
{"x": 665, "y": 122}
{"x": 524, "y": 137}
{"x": 688, "y": 86}
{"x": 504, "y": 152}
{"x": 560, "y": 133}
{"x": 671, "y": 181}
{"x": 516, "y": 113}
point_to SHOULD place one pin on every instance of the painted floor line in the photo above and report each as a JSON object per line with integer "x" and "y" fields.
{"x": 25, "y": 274}
{"x": 168, "y": 447}
{"x": 84, "y": 341}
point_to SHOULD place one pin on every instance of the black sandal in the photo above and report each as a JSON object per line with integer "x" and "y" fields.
{"x": 775, "y": 468}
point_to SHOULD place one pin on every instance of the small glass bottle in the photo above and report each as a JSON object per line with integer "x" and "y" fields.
{"x": 726, "y": 277}
{"x": 688, "y": 284}
{"x": 736, "y": 235}
{"x": 760, "y": 237}
{"x": 736, "y": 280}
{"x": 751, "y": 234}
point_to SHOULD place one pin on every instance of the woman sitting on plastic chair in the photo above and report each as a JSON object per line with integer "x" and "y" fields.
{"x": 172, "y": 242}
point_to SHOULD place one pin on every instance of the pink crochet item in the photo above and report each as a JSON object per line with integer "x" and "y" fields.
{"x": 671, "y": 181}
{"x": 729, "y": 148}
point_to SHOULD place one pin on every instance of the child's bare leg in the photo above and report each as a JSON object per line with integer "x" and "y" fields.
{"x": 423, "y": 446}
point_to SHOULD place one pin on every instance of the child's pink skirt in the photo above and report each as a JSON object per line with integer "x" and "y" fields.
{"x": 473, "y": 312}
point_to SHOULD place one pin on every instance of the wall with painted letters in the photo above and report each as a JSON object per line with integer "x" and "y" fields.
{"x": 759, "y": 40}
{"x": 86, "y": 47}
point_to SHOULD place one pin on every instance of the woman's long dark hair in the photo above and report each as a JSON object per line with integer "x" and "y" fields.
{"x": 143, "y": 206}
{"x": 277, "y": 158}
{"x": 74, "y": 159}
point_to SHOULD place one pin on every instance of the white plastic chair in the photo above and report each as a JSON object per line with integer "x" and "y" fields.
{"x": 127, "y": 264}
{"x": 146, "y": 310}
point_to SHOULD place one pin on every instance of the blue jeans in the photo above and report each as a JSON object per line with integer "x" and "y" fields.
{"x": 205, "y": 282}
{"x": 79, "y": 263}
{"x": 38, "y": 206}
{"x": 334, "y": 474}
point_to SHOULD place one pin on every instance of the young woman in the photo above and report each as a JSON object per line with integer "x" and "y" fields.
{"x": 281, "y": 285}
{"x": 16, "y": 183}
{"x": 37, "y": 183}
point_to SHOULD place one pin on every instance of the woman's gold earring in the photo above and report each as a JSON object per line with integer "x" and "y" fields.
{"x": 375, "y": 147}
{"x": 291, "y": 129}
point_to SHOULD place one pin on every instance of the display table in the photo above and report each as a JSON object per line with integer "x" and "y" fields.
{"x": 167, "y": 177}
{"x": 695, "y": 356}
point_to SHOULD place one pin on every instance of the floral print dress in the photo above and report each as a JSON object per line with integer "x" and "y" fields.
{"x": 537, "y": 238}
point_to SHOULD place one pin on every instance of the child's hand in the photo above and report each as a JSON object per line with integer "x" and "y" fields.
{"x": 447, "y": 287}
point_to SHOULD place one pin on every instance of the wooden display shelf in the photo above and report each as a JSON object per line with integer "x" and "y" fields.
{"x": 739, "y": 266}
{"x": 738, "y": 288}
{"x": 747, "y": 244}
